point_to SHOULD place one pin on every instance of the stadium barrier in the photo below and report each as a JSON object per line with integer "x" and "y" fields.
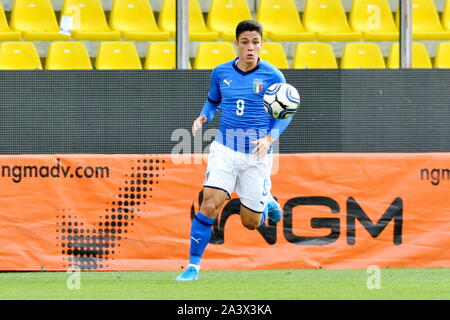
{"x": 123, "y": 111}
{"x": 98, "y": 170}
{"x": 133, "y": 212}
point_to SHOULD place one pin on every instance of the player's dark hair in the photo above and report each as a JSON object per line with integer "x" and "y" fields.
{"x": 248, "y": 25}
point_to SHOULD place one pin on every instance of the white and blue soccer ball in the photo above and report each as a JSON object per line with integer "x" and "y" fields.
{"x": 281, "y": 100}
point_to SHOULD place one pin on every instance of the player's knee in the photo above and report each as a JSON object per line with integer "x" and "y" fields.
{"x": 250, "y": 224}
{"x": 209, "y": 208}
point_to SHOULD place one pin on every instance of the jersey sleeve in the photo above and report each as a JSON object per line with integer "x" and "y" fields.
{"x": 209, "y": 110}
{"x": 214, "y": 95}
{"x": 212, "y": 103}
{"x": 279, "y": 126}
{"x": 279, "y": 77}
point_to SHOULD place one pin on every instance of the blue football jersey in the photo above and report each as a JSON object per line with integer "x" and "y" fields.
{"x": 240, "y": 95}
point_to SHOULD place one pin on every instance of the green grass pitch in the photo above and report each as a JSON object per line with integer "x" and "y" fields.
{"x": 229, "y": 285}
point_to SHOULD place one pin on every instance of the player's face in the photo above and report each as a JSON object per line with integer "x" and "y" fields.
{"x": 249, "y": 45}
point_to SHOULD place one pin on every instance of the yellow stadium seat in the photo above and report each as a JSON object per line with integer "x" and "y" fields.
{"x": 211, "y": 54}
{"x": 446, "y": 16}
{"x": 273, "y": 53}
{"x": 117, "y": 55}
{"x": 442, "y": 58}
{"x": 281, "y": 21}
{"x": 374, "y": 19}
{"x": 6, "y": 34}
{"x": 327, "y": 18}
{"x": 19, "y": 56}
{"x": 36, "y": 20}
{"x": 362, "y": 55}
{"x": 161, "y": 55}
{"x": 420, "y": 56}
{"x": 64, "y": 55}
{"x": 224, "y": 16}
{"x": 314, "y": 55}
{"x": 197, "y": 27}
{"x": 425, "y": 21}
{"x": 89, "y": 22}
{"x": 135, "y": 20}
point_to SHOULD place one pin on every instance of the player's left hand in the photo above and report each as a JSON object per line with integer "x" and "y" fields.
{"x": 262, "y": 146}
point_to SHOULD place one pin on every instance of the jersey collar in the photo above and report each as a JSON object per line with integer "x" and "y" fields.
{"x": 244, "y": 73}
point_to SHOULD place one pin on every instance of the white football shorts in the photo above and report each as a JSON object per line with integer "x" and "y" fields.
{"x": 230, "y": 170}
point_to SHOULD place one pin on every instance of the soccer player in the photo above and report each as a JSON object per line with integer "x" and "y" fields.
{"x": 240, "y": 156}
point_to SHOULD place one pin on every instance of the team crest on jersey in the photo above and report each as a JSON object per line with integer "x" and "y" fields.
{"x": 257, "y": 85}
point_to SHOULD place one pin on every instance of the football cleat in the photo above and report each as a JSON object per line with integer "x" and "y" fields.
{"x": 275, "y": 211}
{"x": 189, "y": 274}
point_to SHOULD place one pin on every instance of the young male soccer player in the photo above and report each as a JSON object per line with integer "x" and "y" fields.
{"x": 240, "y": 157}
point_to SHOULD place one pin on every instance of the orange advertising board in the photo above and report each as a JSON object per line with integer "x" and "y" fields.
{"x": 133, "y": 212}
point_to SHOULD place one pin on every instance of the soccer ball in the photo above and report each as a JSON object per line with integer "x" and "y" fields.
{"x": 281, "y": 100}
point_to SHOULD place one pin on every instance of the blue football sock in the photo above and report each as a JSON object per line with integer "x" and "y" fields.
{"x": 264, "y": 215}
{"x": 200, "y": 236}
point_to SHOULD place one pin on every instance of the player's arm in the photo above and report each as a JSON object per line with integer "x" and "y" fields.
{"x": 263, "y": 145}
{"x": 209, "y": 111}
{"x": 278, "y": 127}
{"x": 211, "y": 105}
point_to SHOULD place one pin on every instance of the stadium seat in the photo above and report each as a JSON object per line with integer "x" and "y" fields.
{"x": 314, "y": 55}
{"x": 117, "y": 55}
{"x": 64, "y": 55}
{"x": 211, "y": 54}
{"x": 446, "y": 16}
{"x": 19, "y": 56}
{"x": 273, "y": 53}
{"x": 362, "y": 55}
{"x": 420, "y": 56}
{"x": 327, "y": 18}
{"x": 135, "y": 20}
{"x": 89, "y": 20}
{"x": 197, "y": 27}
{"x": 374, "y": 19}
{"x": 161, "y": 55}
{"x": 281, "y": 21}
{"x": 224, "y": 16}
{"x": 442, "y": 58}
{"x": 36, "y": 20}
{"x": 425, "y": 21}
{"x": 6, "y": 34}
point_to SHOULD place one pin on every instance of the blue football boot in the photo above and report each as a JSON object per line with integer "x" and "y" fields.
{"x": 189, "y": 274}
{"x": 274, "y": 207}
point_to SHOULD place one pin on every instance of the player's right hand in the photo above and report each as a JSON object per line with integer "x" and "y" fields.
{"x": 198, "y": 123}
